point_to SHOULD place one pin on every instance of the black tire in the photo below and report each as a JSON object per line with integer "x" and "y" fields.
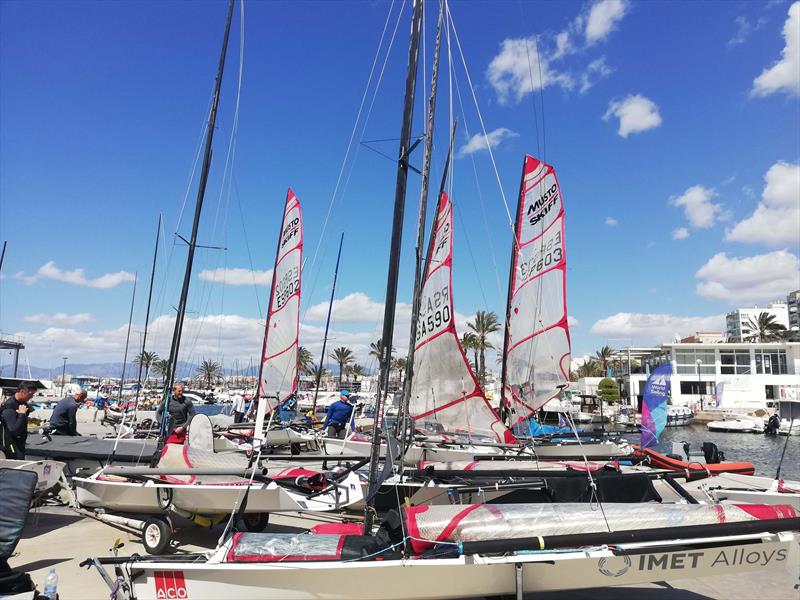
{"x": 164, "y": 497}
{"x": 156, "y": 534}
{"x": 254, "y": 522}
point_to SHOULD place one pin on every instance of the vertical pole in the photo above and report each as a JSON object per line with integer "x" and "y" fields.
{"x": 147, "y": 319}
{"x": 327, "y": 325}
{"x": 63, "y": 374}
{"x": 201, "y": 191}
{"x": 423, "y": 208}
{"x": 394, "y": 254}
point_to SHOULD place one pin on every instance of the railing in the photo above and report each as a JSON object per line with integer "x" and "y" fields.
{"x": 6, "y": 339}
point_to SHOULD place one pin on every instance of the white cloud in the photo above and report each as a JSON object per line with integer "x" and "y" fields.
{"x": 58, "y": 318}
{"x": 353, "y": 308}
{"x": 602, "y": 18}
{"x": 697, "y": 206}
{"x": 595, "y": 71}
{"x": 611, "y": 221}
{"x": 478, "y": 142}
{"x": 519, "y": 69}
{"x": 776, "y": 220}
{"x": 756, "y": 278}
{"x": 635, "y": 114}
{"x": 237, "y": 276}
{"x": 744, "y": 28}
{"x": 681, "y": 233}
{"x": 572, "y": 321}
{"x": 784, "y": 75}
{"x": 654, "y": 328}
{"x": 75, "y": 277}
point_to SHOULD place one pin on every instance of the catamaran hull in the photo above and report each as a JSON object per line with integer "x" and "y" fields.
{"x": 468, "y": 576}
{"x": 159, "y": 498}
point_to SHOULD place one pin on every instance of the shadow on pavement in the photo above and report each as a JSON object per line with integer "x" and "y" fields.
{"x": 621, "y": 593}
{"x": 41, "y": 523}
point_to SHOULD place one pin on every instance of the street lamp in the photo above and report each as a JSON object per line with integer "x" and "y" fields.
{"x": 63, "y": 374}
{"x": 698, "y": 362}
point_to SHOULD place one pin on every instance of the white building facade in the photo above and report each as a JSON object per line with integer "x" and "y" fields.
{"x": 738, "y": 322}
{"x": 740, "y": 377}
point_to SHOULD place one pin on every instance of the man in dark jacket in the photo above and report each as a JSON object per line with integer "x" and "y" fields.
{"x": 65, "y": 415}
{"x": 338, "y": 415}
{"x": 180, "y": 411}
{"x": 14, "y": 418}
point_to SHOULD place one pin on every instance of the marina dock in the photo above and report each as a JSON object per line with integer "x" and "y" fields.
{"x": 60, "y": 537}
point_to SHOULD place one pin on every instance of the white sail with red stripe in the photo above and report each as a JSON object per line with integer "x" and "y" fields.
{"x": 537, "y": 344}
{"x": 445, "y": 394}
{"x": 279, "y": 361}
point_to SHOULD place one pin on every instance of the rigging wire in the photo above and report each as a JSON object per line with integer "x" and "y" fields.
{"x": 352, "y": 136}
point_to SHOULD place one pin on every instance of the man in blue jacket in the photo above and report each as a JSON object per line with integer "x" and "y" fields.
{"x": 64, "y": 420}
{"x": 338, "y": 416}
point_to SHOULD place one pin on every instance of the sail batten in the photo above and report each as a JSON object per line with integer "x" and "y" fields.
{"x": 537, "y": 345}
{"x": 445, "y": 394}
{"x": 279, "y": 360}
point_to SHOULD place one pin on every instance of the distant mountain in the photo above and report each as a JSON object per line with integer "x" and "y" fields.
{"x": 109, "y": 369}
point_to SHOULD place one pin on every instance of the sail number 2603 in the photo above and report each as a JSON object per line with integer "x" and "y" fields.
{"x": 545, "y": 256}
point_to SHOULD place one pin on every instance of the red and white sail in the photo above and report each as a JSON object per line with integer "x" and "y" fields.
{"x": 445, "y": 395}
{"x": 279, "y": 361}
{"x": 537, "y": 345}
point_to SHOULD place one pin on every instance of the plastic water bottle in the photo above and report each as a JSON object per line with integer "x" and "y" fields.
{"x": 51, "y": 584}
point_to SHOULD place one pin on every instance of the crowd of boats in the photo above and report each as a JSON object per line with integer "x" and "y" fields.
{"x": 452, "y": 496}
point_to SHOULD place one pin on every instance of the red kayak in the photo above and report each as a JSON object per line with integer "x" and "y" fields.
{"x": 662, "y": 461}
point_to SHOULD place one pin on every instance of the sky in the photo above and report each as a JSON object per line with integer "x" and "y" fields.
{"x": 674, "y": 128}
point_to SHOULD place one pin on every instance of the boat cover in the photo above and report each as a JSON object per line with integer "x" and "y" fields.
{"x": 427, "y": 525}
{"x": 613, "y": 487}
{"x": 16, "y": 491}
{"x": 515, "y": 465}
{"x": 66, "y": 448}
{"x": 300, "y": 547}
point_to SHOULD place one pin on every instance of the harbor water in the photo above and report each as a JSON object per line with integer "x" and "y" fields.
{"x": 764, "y": 451}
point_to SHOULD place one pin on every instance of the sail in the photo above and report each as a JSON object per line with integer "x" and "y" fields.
{"x": 279, "y": 362}
{"x": 445, "y": 395}
{"x": 537, "y": 345}
{"x": 654, "y": 405}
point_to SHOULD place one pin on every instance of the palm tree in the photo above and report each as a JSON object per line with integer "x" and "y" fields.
{"x": 210, "y": 371}
{"x": 355, "y": 371}
{"x": 603, "y": 355}
{"x": 321, "y": 371}
{"x": 375, "y": 351}
{"x": 589, "y": 368}
{"x": 765, "y": 329}
{"x": 343, "y": 356}
{"x": 161, "y": 366}
{"x": 146, "y": 360}
{"x": 469, "y": 341}
{"x": 305, "y": 364}
{"x": 484, "y": 324}
{"x": 399, "y": 364}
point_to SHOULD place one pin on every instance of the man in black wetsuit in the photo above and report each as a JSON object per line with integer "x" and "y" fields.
{"x": 14, "y": 422}
{"x": 65, "y": 415}
{"x": 180, "y": 411}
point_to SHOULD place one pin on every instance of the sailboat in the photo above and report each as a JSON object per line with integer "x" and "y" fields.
{"x": 191, "y": 480}
{"x": 458, "y": 551}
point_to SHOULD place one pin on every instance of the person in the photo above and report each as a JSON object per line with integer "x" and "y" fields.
{"x": 65, "y": 415}
{"x": 180, "y": 411}
{"x": 238, "y": 408}
{"x": 100, "y": 402}
{"x": 253, "y": 409}
{"x": 338, "y": 416}
{"x": 14, "y": 421}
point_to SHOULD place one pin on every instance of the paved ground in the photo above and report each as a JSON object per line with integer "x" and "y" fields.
{"x": 57, "y": 536}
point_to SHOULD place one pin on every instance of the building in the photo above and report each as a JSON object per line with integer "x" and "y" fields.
{"x": 705, "y": 337}
{"x": 793, "y": 304}
{"x": 741, "y": 376}
{"x": 738, "y": 323}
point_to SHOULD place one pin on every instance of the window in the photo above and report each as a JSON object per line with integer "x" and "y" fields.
{"x": 696, "y": 388}
{"x": 771, "y": 362}
{"x": 686, "y": 361}
{"x": 734, "y": 362}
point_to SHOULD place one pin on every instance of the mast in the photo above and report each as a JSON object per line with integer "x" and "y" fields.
{"x": 201, "y": 191}
{"x": 327, "y": 324}
{"x": 394, "y": 253}
{"x": 423, "y": 207}
{"x": 505, "y": 411}
{"x": 124, "y": 364}
{"x": 147, "y": 317}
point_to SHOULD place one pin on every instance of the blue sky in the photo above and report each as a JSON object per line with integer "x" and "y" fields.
{"x": 674, "y": 129}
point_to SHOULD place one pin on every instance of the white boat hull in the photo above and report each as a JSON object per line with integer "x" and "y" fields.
{"x": 143, "y": 498}
{"x": 467, "y": 576}
{"x": 48, "y": 472}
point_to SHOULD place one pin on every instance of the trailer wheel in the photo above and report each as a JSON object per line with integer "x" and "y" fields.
{"x": 156, "y": 534}
{"x": 164, "y": 497}
{"x": 255, "y": 522}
